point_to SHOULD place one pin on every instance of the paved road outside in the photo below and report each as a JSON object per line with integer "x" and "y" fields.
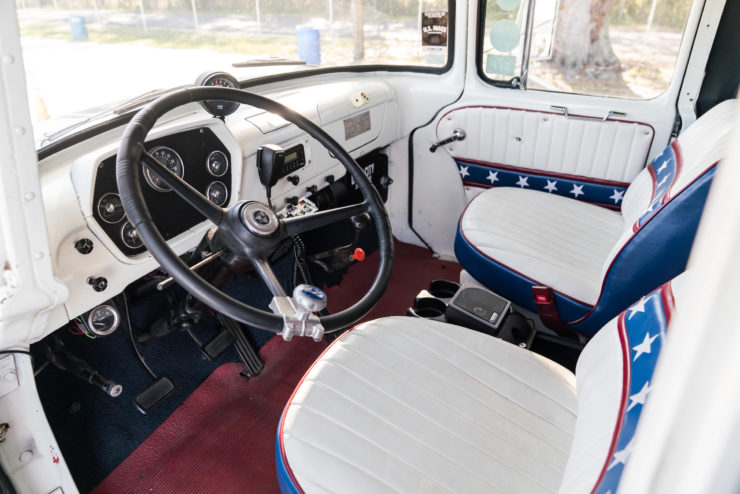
{"x": 229, "y": 24}
{"x": 66, "y": 77}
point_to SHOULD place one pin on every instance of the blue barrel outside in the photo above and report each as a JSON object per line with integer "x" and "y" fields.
{"x": 309, "y": 45}
{"x": 78, "y": 28}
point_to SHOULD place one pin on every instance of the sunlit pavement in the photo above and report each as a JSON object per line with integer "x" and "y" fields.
{"x": 70, "y": 76}
{"x": 242, "y": 23}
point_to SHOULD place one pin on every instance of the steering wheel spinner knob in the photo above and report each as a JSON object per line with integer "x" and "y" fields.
{"x": 310, "y": 298}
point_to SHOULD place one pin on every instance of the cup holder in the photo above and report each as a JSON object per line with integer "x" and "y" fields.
{"x": 443, "y": 288}
{"x": 428, "y": 308}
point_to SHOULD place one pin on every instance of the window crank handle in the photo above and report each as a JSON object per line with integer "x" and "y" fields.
{"x": 457, "y": 135}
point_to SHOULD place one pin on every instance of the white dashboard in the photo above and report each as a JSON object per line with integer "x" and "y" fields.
{"x": 362, "y": 115}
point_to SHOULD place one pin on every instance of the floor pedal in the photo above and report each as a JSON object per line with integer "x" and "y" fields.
{"x": 154, "y": 394}
{"x": 217, "y": 345}
{"x": 247, "y": 354}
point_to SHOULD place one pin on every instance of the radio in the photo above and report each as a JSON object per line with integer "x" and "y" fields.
{"x": 273, "y": 162}
{"x": 295, "y": 159}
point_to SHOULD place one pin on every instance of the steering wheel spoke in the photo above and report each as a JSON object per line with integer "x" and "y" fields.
{"x": 265, "y": 271}
{"x": 183, "y": 189}
{"x": 301, "y": 224}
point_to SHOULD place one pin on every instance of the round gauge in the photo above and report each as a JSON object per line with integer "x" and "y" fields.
{"x": 130, "y": 236}
{"x": 169, "y": 158}
{"x": 217, "y": 163}
{"x": 110, "y": 208}
{"x": 218, "y": 79}
{"x": 103, "y": 320}
{"x": 218, "y": 193}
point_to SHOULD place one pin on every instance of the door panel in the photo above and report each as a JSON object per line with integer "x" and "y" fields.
{"x": 584, "y": 148}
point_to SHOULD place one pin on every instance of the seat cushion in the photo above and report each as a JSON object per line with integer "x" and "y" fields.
{"x": 549, "y": 240}
{"x": 454, "y": 411}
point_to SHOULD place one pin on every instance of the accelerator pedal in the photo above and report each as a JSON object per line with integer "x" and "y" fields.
{"x": 217, "y": 345}
{"x": 154, "y": 394}
{"x": 247, "y": 354}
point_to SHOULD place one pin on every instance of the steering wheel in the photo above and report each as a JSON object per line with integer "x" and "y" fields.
{"x": 248, "y": 229}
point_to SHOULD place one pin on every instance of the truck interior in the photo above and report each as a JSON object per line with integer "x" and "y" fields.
{"x": 362, "y": 247}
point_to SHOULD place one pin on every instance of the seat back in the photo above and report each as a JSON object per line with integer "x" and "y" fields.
{"x": 661, "y": 211}
{"x": 613, "y": 379}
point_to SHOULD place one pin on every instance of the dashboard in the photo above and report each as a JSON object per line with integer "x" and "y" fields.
{"x": 218, "y": 157}
{"x": 196, "y": 155}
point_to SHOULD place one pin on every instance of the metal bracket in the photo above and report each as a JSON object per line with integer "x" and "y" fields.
{"x": 612, "y": 113}
{"x": 564, "y": 111}
{"x": 297, "y": 321}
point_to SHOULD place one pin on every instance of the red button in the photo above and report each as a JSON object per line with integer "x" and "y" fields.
{"x": 359, "y": 255}
{"x": 541, "y": 299}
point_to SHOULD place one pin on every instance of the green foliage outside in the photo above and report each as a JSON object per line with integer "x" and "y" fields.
{"x": 669, "y": 14}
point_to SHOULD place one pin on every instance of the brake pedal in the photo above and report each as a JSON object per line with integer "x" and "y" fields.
{"x": 217, "y": 345}
{"x": 154, "y": 394}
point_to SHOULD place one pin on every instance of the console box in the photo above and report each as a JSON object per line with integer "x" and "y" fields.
{"x": 473, "y": 307}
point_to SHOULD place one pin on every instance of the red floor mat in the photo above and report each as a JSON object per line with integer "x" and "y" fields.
{"x": 413, "y": 269}
{"x": 222, "y": 438}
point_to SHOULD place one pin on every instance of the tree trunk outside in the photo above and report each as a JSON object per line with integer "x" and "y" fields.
{"x": 358, "y": 35}
{"x": 582, "y": 34}
{"x": 600, "y": 51}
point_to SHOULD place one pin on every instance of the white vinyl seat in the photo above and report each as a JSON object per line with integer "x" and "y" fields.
{"x": 410, "y": 405}
{"x": 594, "y": 260}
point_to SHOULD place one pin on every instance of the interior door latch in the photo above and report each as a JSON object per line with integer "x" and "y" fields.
{"x": 457, "y": 135}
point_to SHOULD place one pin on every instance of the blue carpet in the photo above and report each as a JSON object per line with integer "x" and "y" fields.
{"x": 96, "y": 432}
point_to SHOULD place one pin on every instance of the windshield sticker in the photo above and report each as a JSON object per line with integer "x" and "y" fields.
{"x": 434, "y": 32}
{"x": 508, "y": 5}
{"x": 500, "y": 64}
{"x": 505, "y": 36}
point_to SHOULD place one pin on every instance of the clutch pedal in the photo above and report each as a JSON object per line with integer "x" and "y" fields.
{"x": 154, "y": 394}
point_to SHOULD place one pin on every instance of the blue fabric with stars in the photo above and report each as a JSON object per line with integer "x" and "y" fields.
{"x": 490, "y": 176}
{"x": 642, "y": 330}
{"x": 663, "y": 170}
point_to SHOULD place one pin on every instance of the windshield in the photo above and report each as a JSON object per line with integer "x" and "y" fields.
{"x": 85, "y": 57}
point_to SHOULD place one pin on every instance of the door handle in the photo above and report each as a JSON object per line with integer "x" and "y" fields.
{"x": 457, "y": 135}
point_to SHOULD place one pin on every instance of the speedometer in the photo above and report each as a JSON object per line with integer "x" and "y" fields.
{"x": 218, "y": 79}
{"x": 169, "y": 158}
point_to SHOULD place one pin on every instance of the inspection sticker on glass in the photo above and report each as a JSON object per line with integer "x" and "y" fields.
{"x": 500, "y": 64}
{"x": 434, "y": 32}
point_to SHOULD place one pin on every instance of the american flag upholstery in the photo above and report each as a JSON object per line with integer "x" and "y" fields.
{"x": 596, "y": 261}
{"x": 410, "y": 405}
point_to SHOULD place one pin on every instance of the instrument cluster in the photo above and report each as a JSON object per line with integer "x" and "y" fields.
{"x": 197, "y": 156}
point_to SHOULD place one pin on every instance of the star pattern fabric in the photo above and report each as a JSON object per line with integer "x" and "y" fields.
{"x": 664, "y": 171}
{"x": 480, "y": 175}
{"x": 645, "y": 347}
{"x": 617, "y": 196}
{"x": 642, "y": 329}
{"x": 577, "y": 191}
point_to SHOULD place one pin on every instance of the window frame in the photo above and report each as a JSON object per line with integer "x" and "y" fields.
{"x": 516, "y": 82}
{"x": 520, "y": 82}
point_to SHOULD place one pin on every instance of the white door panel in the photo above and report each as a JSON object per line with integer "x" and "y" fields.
{"x": 544, "y": 141}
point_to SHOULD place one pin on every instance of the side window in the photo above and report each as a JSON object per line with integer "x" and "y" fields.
{"x": 618, "y": 48}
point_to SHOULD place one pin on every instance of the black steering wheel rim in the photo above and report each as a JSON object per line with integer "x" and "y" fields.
{"x": 128, "y": 177}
